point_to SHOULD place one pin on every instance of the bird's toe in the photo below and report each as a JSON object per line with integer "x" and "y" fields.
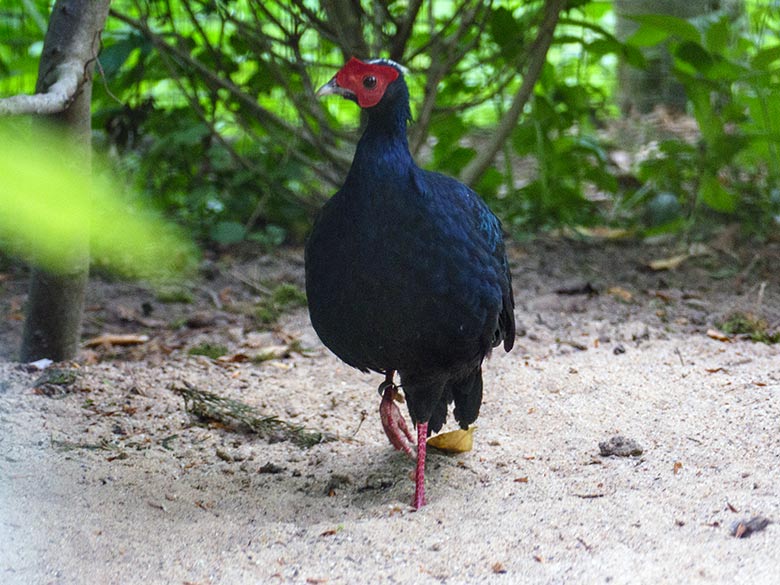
{"x": 394, "y": 423}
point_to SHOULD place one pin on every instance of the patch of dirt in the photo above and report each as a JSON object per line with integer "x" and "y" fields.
{"x": 563, "y": 289}
{"x": 106, "y": 477}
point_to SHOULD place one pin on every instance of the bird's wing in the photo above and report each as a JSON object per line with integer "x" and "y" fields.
{"x": 488, "y": 227}
{"x": 506, "y": 320}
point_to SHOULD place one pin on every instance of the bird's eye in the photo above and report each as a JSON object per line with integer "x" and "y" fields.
{"x": 369, "y": 82}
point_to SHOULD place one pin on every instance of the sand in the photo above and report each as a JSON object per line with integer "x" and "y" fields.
{"x": 114, "y": 484}
{"x": 110, "y": 480}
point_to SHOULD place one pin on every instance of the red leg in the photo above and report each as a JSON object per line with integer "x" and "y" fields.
{"x": 393, "y": 421}
{"x": 419, "y": 475}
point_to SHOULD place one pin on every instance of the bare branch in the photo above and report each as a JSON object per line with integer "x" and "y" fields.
{"x": 68, "y": 75}
{"x": 347, "y": 19}
{"x": 420, "y": 130}
{"x": 404, "y": 31}
{"x": 322, "y": 27}
{"x": 538, "y": 56}
{"x": 452, "y": 49}
{"x": 438, "y": 32}
{"x": 214, "y": 81}
{"x": 62, "y": 73}
{"x": 208, "y": 76}
{"x": 216, "y": 55}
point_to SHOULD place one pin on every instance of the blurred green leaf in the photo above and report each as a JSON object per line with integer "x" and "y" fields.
{"x": 766, "y": 57}
{"x": 669, "y": 25}
{"x": 50, "y": 208}
{"x": 228, "y": 232}
{"x": 113, "y": 57}
{"x": 490, "y": 182}
{"x": 716, "y": 196}
{"x": 716, "y": 37}
{"x": 506, "y": 31}
{"x": 648, "y": 36}
{"x": 695, "y": 55}
{"x": 270, "y": 237}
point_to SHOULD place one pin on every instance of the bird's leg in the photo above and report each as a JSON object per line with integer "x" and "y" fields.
{"x": 419, "y": 475}
{"x": 392, "y": 420}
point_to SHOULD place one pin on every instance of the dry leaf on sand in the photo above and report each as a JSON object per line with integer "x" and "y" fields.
{"x": 458, "y": 441}
{"x": 668, "y": 263}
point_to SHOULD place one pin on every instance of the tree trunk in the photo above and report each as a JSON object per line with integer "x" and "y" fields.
{"x": 346, "y": 20}
{"x": 642, "y": 89}
{"x": 56, "y": 301}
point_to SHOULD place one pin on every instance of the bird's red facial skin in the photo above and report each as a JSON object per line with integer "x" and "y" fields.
{"x": 367, "y": 81}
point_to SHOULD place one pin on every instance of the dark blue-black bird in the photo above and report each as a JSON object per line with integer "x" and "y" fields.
{"x": 406, "y": 270}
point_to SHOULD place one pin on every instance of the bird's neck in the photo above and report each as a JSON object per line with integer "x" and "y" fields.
{"x": 383, "y": 150}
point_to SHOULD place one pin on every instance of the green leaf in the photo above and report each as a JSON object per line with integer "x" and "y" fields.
{"x": 270, "y": 237}
{"x": 524, "y": 139}
{"x": 113, "y": 57}
{"x": 695, "y": 55}
{"x": 601, "y": 47}
{"x": 190, "y": 135}
{"x": 716, "y": 196}
{"x": 716, "y": 37}
{"x": 634, "y": 56}
{"x": 724, "y": 70}
{"x": 506, "y": 32}
{"x": 663, "y": 208}
{"x": 676, "y": 148}
{"x": 228, "y": 232}
{"x": 766, "y": 57}
{"x": 647, "y": 36}
{"x": 503, "y": 27}
{"x": 670, "y": 25}
{"x": 457, "y": 158}
{"x": 490, "y": 182}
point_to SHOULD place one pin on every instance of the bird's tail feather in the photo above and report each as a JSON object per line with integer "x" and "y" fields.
{"x": 428, "y": 398}
{"x": 467, "y": 395}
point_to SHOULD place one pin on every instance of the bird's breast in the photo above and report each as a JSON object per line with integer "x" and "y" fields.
{"x": 390, "y": 288}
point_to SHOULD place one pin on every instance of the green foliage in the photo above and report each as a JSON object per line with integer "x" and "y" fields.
{"x": 21, "y": 40}
{"x": 282, "y": 298}
{"x": 730, "y": 76}
{"x": 207, "y": 109}
{"x": 557, "y": 134}
{"x": 210, "y": 350}
{"x": 220, "y": 126}
{"x": 754, "y": 328}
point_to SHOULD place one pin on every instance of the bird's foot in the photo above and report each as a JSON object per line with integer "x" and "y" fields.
{"x": 419, "y": 475}
{"x": 387, "y": 384}
{"x": 392, "y": 420}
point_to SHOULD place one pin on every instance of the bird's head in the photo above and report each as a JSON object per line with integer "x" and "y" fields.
{"x": 365, "y": 82}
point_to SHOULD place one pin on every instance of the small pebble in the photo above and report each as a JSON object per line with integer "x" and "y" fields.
{"x": 620, "y": 446}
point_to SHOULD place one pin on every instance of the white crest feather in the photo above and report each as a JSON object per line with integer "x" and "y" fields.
{"x": 390, "y": 63}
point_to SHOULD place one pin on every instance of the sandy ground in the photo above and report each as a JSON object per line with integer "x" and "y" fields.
{"x": 113, "y": 482}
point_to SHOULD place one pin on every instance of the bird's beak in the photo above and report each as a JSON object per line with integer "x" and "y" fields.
{"x": 333, "y": 88}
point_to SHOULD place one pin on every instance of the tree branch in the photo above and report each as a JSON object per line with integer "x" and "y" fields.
{"x": 322, "y": 27}
{"x": 538, "y": 56}
{"x": 404, "y": 31}
{"x": 55, "y": 303}
{"x": 68, "y": 78}
{"x": 347, "y": 20}
{"x": 450, "y": 50}
{"x": 213, "y": 81}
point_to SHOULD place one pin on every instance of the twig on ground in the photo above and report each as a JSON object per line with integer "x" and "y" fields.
{"x": 209, "y": 406}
